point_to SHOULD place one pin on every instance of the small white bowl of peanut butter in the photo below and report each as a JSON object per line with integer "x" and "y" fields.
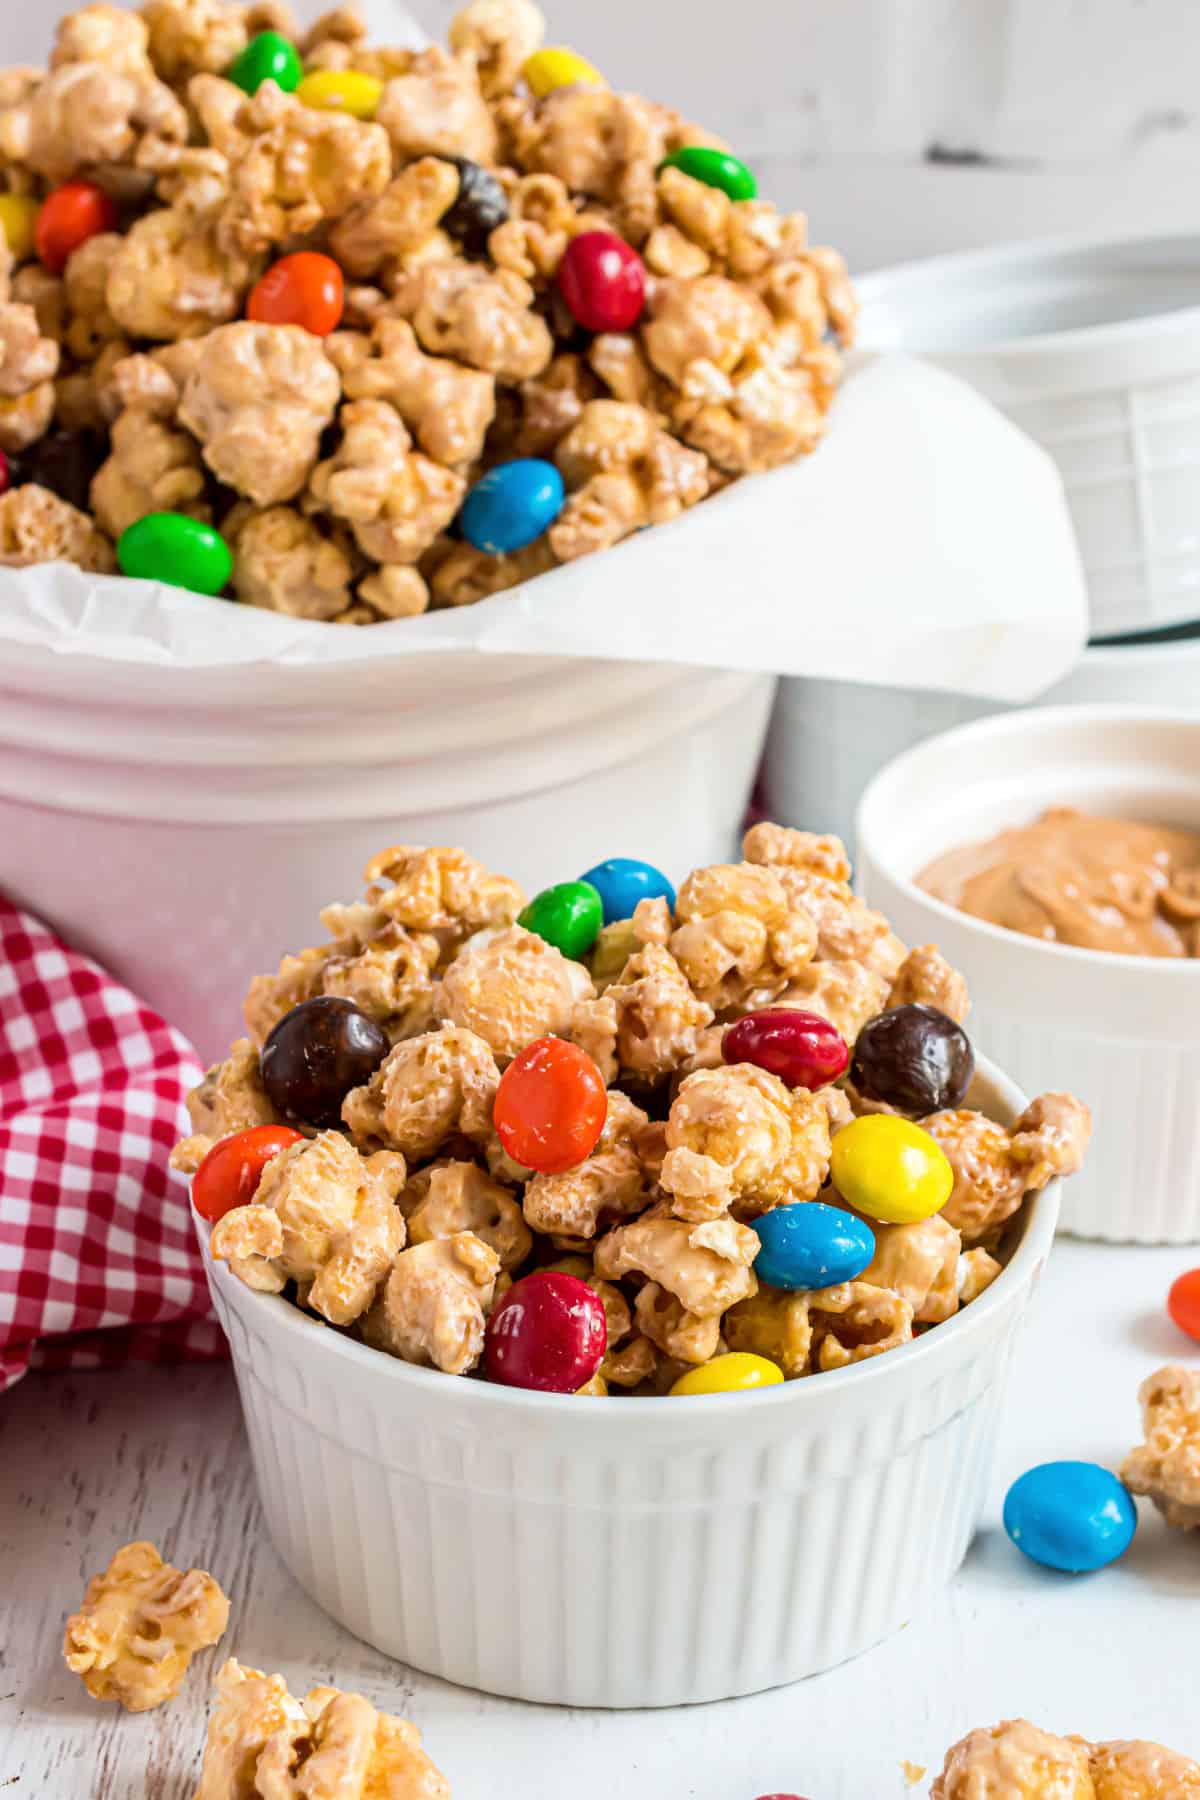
{"x": 1054, "y": 855}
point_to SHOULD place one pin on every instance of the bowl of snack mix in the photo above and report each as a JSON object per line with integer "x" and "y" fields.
{"x": 299, "y": 330}
{"x": 721, "y": 1156}
{"x": 1056, "y": 854}
{"x": 1093, "y": 348}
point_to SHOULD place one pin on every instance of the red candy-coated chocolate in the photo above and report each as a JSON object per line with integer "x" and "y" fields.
{"x": 230, "y": 1173}
{"x": 603, "y": 281}
{"x": 549, "y": 1332}
{"x": 550, "y": 1106}
{"x": 306, "y": 289}
{"x": 1183, "y": 1303}
{"x": 802, "y": 1048}
{"x": 72, "y": 214}
{"x": 5, "y": 474}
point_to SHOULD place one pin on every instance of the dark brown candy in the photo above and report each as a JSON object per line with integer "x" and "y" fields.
{"x": 316, "y": 1054}
{"x": 64, "y": 462}
{"x": 914, "y": 1058}
{"x": 480, "y": 207}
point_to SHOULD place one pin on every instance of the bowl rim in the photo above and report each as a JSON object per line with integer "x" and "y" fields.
{"x": 298, "y": 1331}
{"x": 1003, "y": 725}
{"x": 872, "y": 285}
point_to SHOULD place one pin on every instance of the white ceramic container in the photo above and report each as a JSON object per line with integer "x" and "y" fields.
{"x": 829, "y": 738}
{"x": 1122, "y": 1032}
{"x": 187, "y": 844}
{"x": 1094, "y": 350}
{"x": 627, "y": 1553}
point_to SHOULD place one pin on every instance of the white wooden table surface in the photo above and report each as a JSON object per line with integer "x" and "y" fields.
{"x": 89, "y": 1462}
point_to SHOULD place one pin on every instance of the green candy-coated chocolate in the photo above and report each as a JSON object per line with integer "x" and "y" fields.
{"x": 267, "y": 57}
{"x": 569, "y": 916}
{"x": 716, "y": 169}
{"x": 171, "y": 547}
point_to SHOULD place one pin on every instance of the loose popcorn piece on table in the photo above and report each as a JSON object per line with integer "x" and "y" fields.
{"x": 139, "y": 1627}
{"x": 1166, "y": 1468}
{"x": 263, "y": 1745}
{"x": 1021, "y": 1760}
{"x": 594, "y": 1100}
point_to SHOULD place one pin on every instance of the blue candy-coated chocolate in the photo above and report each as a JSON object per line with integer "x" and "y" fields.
{"x": 811, "y": 1245}
{"x": 511, "y": 505}
{"x": 622, "y": 881}
{"x": 1070, "y": 1515}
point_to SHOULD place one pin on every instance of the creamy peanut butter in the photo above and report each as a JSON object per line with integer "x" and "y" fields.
{"x": 1073, "y": 878}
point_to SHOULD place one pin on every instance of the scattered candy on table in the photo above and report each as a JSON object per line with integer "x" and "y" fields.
{"x": 890, "y": 1169}
{"x": 230, "y": 1173}
{"x": 18, "y": 222}
{"x": 511, "y": 505}
{"x": 715, "y": 168}
{"x": 736, "y": 1372}
{"x": 622, "y": 881}
{"x": 316, "y": 1054}
{"x": 914, "y": 1058}
{"x": 175, "y": 549}
{"x": 267, "y": 57}
{"x": 569, "y": 916}
{"x": 802, "y": 1048}
{"x": 341, "y": 90}
{"x": 548, "y": 1332}
{"x": 303, "y": 289}
{"x": 68, "y": 217}
{"x": 1183, "y": 1303}
{"x": 811, "y": 1246}
{"x": 603, "y": 281}
{"x": 1074, "y": 1516}
{"x": 550, "y": 1106}
{"x": 555, "y": 67}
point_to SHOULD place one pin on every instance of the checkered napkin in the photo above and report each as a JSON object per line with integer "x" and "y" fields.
{"x": 98, "y": 1262}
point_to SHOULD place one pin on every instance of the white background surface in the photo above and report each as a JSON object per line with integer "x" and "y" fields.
{"x": 88, "y": 1462}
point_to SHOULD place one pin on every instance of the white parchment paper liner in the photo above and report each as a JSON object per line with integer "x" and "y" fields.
{"x": 925, "y": 543}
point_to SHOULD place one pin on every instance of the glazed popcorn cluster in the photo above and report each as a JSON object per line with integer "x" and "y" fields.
{"x": 378, "y": 329}
{"x": 1166, "y": 1468}
{"x": 458, "y": 1094}
{"x": 139, "y": 1626}
{"x": 1019, "y": 1761}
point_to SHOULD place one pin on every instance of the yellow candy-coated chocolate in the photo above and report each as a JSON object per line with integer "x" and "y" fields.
{"x": 18, "y": 221}
{"x": 737, "y": 1372}
{"x": 342, "y": 90}
{"x": 890, "y": 1169}
{"x": 556, "y": 67}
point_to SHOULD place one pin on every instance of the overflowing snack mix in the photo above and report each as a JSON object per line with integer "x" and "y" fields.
{"x": 349, "y": 331}
{"x": 572, "y": 1148}
{"x": 262, "y": 1743}
{"x": 140, "y": 1624}
{"x": 1019, "y": 1761}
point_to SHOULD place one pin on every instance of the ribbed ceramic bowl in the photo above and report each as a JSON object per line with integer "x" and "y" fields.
{"x": 1122, "y": 1032}
{"x": 627, "y": 1553}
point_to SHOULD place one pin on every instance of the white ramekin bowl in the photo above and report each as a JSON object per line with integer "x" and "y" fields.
{"x": 1122, "y": 1032}
{"x": 1094, "y": 350}
{"x": 829, "y": 739}
{"x": 627, "y": 1553}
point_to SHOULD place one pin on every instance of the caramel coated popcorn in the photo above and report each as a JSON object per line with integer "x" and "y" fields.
{"x": 140, "y": 1624}
{"x": 1166, "y": 1468}
{"x": 1024, "y": 1762}
{"x": 263, "y": 1744}
{"x": 411, "y": 1222}
{"x": 335, "y": 454}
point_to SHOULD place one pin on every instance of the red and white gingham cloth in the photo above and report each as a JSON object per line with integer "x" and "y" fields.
{"x": 98, "y": 1262}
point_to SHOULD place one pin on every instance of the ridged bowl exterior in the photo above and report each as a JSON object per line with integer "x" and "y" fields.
{"x": 632, "y": 1554}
